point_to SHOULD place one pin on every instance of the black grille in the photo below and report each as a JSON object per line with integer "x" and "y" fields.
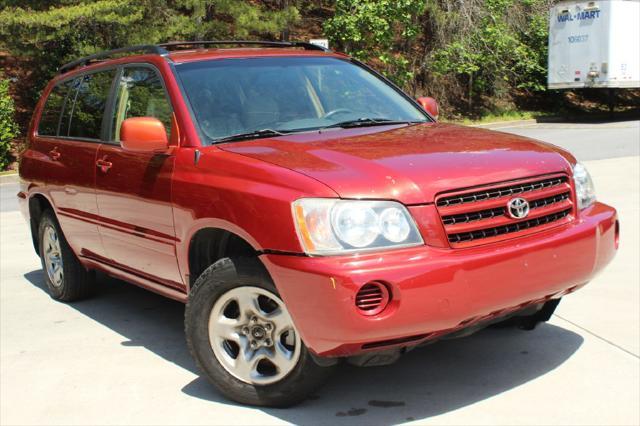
{"x": 500, "y": 192}
{"x": 471, "y": 217}
{"x": 507, "y": 229}
{"x": 549, "y": 200}
{"x": 500, "y": 211}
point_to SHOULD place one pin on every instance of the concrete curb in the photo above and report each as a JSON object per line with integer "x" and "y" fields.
{"x": 504, "y": 124}
{"x": 9, "y": 178}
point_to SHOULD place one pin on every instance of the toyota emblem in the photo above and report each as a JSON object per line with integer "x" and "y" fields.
{"x": 518, "y": 208}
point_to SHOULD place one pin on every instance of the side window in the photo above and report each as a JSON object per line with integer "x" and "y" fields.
{"x": 140, "y": 94}
{"x": 90, "y": 101}
{"x": 50, "y": 118}
{"x": 69, "y": 103}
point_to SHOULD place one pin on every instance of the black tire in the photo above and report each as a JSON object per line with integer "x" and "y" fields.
{"x": 77, "y": 282}
{"x": 227, "y": 274}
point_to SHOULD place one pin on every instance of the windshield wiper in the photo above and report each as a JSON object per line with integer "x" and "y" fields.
{"x": 366, "y": 121}
{"x": 256, "y": 134}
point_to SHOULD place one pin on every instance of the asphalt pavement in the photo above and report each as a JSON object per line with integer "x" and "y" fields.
{"x": 593, "y": 141}
{"x": 8, "y": 190}
{"x": 120, "y": 358}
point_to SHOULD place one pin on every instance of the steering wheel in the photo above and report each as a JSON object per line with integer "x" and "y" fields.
{"x": 337, "y": 111}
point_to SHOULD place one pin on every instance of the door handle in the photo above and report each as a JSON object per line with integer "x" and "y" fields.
{"x": 103, "y": 164}
{"x": 54, "y": 154}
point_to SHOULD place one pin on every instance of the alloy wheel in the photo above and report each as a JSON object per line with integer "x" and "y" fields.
{"x": 53, "y": 256}
{"x": 252, "y": 335}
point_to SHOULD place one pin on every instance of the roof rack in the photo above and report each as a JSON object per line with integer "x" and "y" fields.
{"x": 304, "y": 45}
{"x": 164, "y": 49}
{"x": 142, "y": 48}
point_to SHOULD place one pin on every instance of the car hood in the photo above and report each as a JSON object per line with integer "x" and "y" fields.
{"x": 411, "y": 164}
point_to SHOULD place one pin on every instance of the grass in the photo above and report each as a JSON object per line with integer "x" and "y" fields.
{"x": 575, "y": 114}
{"x": 496, "y": 117}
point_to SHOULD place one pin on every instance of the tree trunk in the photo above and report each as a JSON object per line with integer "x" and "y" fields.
{"x": 470, "y": 98}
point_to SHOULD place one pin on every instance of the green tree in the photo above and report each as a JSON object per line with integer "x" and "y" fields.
{"x": 53, "y": 32}
{"x": 503, "y": 48}
{"x": 382, "y": 30}
{"x": 8, "y": 127}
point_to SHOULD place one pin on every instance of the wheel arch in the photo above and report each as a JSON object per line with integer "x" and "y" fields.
{"x": 38, "y": 203}
{"x": 209, "y": 244}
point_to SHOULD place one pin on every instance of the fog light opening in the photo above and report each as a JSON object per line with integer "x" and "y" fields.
{"x": 372, "y": 298}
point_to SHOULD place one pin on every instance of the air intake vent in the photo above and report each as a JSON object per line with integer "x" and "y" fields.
{"x": 372, "y": 298}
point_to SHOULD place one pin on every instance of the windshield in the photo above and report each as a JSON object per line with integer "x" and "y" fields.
{"x": 287, "y": 94}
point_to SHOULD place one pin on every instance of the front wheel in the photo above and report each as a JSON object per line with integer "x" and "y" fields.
{"x": 242, "y": 337}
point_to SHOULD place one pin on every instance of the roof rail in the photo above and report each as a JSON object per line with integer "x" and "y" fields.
{"x": 164, "y": 48}
{"x": 304, "y": 45}
{"x": 142, "y": 48}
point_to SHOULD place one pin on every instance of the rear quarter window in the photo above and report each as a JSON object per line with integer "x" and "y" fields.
{"x": 50, "y": 117}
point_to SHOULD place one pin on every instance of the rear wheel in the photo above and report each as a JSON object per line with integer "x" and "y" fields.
{"x": 67, "y": 280}
{"x": 242, "y": 337}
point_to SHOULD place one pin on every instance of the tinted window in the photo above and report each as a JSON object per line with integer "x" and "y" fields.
{"x": 232, "y": 96}
{"x": 141, "y": 94}
{"x": 50, "y": 117}
{"x": 90, "y": 101}
{"x": 69, "y": 106}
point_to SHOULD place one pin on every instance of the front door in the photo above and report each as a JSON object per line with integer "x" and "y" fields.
{"x": 134, "y": 189}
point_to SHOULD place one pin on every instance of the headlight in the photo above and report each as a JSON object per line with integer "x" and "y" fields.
{"x": 585, "y": 191}
{"x": 331, "y": 226}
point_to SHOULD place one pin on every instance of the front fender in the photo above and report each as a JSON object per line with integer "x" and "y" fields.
{"x": 247, "y": 197}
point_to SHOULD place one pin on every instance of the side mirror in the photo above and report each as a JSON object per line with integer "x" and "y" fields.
{"x": 430, "y": 105}
{"x": 143, "y": 134}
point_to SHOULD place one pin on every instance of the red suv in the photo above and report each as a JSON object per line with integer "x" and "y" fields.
{"x": 305, "y": 209}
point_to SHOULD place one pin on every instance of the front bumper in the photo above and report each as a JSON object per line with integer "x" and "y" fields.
{"x": 437, "y": 291}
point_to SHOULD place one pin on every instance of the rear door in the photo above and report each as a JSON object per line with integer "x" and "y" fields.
{"x": 69, "y": 135}
{"x": 134, "y": 189}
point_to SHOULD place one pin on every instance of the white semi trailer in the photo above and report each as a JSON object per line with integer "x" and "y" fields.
{"x": 594, "y": 44}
